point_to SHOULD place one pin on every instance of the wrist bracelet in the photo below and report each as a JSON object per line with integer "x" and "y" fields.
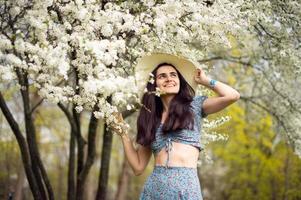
{"x": 212, "y": 83}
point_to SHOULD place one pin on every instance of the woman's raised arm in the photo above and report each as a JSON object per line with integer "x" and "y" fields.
{"x": 227, "y": 94}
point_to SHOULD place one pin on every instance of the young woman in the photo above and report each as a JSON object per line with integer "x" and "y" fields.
{"x": 169, "y": 126}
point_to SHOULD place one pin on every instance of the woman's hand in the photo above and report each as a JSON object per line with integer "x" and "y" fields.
{"x": 200, "y": 77}
{"x": 118, "y": 126}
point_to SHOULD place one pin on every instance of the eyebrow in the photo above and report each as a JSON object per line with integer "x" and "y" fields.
{"x": 166, "y": 73}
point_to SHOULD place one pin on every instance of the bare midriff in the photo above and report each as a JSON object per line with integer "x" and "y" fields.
{"x": 181, "y": 155}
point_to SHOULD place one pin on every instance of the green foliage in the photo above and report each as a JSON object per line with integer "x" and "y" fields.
{"x": 257, "y": 162}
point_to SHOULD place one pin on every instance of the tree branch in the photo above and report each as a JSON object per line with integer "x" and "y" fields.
{"x": 37, "y": 165}
{"x": 92, "y": 130}
{"x": 274, "y": 114}
{"x": 23, "y": 148}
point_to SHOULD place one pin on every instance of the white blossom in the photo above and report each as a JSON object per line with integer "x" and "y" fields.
{"x": 107, "y": 30}
{"x": 101, "y": 47}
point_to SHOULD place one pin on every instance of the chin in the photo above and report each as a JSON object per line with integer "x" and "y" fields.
{"x": 171, "y": 92}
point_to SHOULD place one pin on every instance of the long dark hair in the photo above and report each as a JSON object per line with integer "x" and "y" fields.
{"x": 179, "y": 117}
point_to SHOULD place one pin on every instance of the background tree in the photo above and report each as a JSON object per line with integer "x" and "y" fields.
{"x": 255, "y": 163}
{"x": 271, "y": 57}
{"x": 80, "y": 54}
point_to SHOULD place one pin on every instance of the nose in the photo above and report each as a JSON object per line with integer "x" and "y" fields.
{"x": 168, "y": 78}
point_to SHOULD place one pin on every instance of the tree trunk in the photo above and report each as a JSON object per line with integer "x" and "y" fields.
{"x": 25, "y": 155}
{"x": 105, "y": 164}
{"x": 72, "y": 145}
{"x": 80, "y": 142}
{"x": 92, "y": 130}
{"x": 123, "y": 181}
{"x": 105, "y": 159}
{"x": 71, "y": 167}
{"x": 37, "y": 165}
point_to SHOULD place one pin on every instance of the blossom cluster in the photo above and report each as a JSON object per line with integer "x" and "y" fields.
{"x": 85, "y": 52}
{"x": 275, "y": 56}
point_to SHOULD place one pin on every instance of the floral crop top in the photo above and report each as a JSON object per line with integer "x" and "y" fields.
{"x": 185, "y": 136}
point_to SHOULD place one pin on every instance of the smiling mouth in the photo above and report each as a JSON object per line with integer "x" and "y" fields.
{"x": 170, "y": 85}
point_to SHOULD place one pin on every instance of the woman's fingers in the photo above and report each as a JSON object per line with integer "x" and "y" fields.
{"x": 119, "y": 125}
{"x": 199, "y": 72}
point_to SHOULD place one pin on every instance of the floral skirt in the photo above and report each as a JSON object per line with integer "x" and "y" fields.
{"x": 172, "y": 183}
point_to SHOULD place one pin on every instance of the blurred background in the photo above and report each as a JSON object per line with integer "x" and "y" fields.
{"x": 255, "y": 162}
{"x": 65, "y": 66}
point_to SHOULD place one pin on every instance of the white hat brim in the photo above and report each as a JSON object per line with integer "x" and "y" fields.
{"x": 148, "y": 63}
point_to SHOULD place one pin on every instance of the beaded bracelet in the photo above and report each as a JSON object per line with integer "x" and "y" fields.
{"x": 212, "y": 83}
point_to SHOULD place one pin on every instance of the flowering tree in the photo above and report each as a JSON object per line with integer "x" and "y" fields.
{"x": 272, "y": 59}
{"x": 81, "y": 56}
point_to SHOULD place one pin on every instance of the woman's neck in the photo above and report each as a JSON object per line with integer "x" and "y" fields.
{"x": 166, "y": 99}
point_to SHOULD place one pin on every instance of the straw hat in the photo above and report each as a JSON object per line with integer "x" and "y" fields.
{"x": 148, "y": 63}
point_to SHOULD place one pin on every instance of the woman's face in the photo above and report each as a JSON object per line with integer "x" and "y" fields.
{"x": 167, "y": 80}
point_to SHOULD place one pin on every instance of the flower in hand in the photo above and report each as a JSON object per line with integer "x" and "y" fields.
{"x": 118, "y": 125}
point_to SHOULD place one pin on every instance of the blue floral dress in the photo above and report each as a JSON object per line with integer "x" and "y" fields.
{"x": 171, "y": 182}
